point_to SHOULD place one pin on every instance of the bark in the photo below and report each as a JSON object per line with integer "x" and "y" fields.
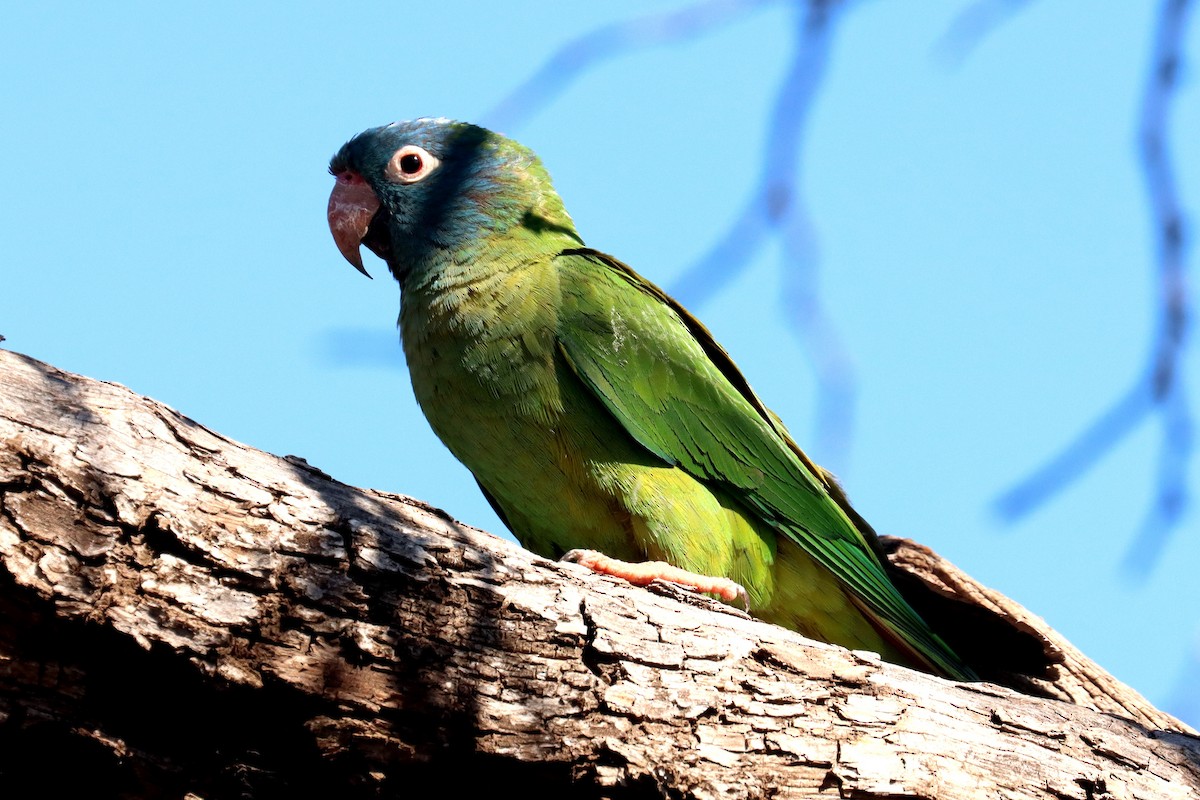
{"x": 181, "y": 614}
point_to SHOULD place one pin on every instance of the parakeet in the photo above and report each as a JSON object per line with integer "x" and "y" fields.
{"x": 593, "y": 410}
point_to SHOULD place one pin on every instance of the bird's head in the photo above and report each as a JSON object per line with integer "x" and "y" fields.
{"x": 412, "y": 190}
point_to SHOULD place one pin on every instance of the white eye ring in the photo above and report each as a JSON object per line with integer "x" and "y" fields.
{"x": 411, "y": 164}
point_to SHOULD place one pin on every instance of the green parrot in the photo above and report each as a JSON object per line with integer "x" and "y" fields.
{"x": 596, "y": 413}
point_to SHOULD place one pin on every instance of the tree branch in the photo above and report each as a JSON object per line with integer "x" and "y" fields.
{"x": 182, "y": 613}
{"x": 1159, "y": 389}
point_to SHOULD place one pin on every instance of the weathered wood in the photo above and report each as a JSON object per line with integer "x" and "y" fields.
{"x": 182, "y": 613}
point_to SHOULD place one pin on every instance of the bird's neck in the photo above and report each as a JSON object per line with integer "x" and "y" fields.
{"x": 498, "y": 287}
{"x": 437, "y": 270}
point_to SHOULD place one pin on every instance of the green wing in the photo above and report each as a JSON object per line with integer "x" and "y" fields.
{"x": 659, "y": 372}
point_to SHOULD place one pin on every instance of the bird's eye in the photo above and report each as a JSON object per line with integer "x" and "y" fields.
{"x": 411, "y": 164}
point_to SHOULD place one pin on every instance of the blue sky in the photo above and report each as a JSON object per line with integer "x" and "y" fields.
{"x": 984, "y": 246}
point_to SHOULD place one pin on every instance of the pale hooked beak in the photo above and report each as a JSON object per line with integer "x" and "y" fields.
{"x": 352, "y": 206}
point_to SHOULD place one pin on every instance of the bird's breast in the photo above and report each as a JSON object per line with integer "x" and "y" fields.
{"x": 480, "y": 350}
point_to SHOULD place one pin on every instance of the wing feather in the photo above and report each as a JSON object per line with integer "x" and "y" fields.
{"x": 675, "y": 390}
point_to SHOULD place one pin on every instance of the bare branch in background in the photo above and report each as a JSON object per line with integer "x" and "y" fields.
{"x": 1160, "y": 388}
{"x": 1077, "y": 457}
{"x": 973, "y": 24}
{"x": 1166, "y": 378}
{"x": 776, "y": 206}
{"x": 578, "y": 55}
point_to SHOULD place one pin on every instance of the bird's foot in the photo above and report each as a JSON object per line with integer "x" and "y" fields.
{"x": 689, "y": 596}
{"x": 646, "y": 572}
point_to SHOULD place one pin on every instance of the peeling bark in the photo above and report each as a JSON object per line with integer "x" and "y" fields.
{"x": 180, "y": 613}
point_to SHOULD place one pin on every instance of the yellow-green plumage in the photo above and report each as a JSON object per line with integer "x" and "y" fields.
{"x": 595, "y": 412}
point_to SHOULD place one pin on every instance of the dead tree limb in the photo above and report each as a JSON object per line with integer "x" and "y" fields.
{"x": 185, "y": 614}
